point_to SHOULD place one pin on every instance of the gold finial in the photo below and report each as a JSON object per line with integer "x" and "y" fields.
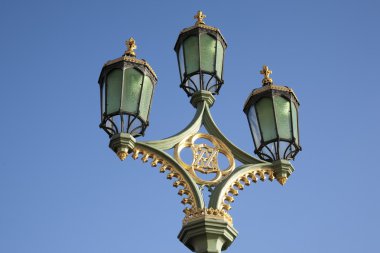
{"x": 266, "y": 72}
{"x": 282, "y": 180}
{"x": 199, "y": 17}
{"x": 122, "y": 155}
{"x": 131, "y": 44}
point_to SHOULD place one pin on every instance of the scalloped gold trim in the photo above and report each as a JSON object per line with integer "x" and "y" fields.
{"x": 185, "y": 191}
{"x": 134, "y": 60}
{"x": 244, "y": 180}
{"x": 271, "y": 87}
{"x": 211, "y": 28}
{"x": 198, "y": 213}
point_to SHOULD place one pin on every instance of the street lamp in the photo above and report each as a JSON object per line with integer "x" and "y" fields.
{"x": 272, "y": 113}
{"x": 200, "y": 53}
{"x": 126, "y": 89}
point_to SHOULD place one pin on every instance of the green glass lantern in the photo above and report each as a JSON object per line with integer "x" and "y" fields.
{"x": 272, "y": 113}
{"x": 200, "y": 53}
{"x": 126, "y": 91}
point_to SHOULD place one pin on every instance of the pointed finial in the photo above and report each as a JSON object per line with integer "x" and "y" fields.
{"x": 122, "y": 155}
{"x": 266, "y": 72}
{"x": 131, "y": 45}
{"x": 199, "y": 17}
{"x": 282, "y": 180}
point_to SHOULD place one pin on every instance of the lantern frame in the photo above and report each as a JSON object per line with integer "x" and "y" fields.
{"x": 189, "y": 85}
{"x": 122, "y": 121}
{"x": 263, "y": 148}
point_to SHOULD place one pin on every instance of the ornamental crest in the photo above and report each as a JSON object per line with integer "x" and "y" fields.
{"x": 206, "y": 153}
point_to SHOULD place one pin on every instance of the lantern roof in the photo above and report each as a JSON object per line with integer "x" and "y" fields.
{"x": 268, "y": 86}
{"x": 199, "y": 24}
{"x": 130, "y": 56}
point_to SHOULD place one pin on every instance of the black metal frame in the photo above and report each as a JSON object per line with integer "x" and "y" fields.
{"x": 290, "y": 146}
{"x": 109, "y": 121}
{"x": 187, "y": 83}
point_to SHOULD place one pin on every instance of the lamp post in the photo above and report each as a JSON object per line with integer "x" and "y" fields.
{"x": 126, "y": 90}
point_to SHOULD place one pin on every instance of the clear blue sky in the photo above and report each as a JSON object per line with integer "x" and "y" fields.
{"x": 63, "y": 190}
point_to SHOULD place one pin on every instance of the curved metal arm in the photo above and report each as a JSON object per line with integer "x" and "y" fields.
{"x": 239, "y": 154}
{"x": 192, "y": 128}
{"x": 243, "y": 175}
{"x": 190, "y": 189}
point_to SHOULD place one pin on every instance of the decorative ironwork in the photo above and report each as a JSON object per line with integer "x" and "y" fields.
{"x": 226, "y": 192}
{"x": 200, "y": 50}
{"x": 205, "y": 158}
{"x": 165, "y": 166}
{"x": 198, "y": 213}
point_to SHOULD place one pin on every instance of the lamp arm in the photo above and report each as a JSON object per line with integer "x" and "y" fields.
{"x": 239, "y": 154}
{"x": 192, "y": 128}
{"x": 191, "y": 194}
{"x": 223, "y": 194}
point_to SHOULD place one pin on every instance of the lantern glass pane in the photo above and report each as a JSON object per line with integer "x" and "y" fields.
{"x": 146, "y": 97}
{"x": 114, "y": 79}
{"x": 219, "y": 59}
{"x": 209, "y": 82}
{"x": 181, "y": 62}
{"x": 252, "y": 118}
{"x": 282, "y": 108}
{"x": 131, "y": 90}
{"x": 191, "y": 49}
{"x": 207, "y": 52}
{"x": 295, "y": 122}
{"x": 102, "y": 99}
{"x": 266, "y": 119}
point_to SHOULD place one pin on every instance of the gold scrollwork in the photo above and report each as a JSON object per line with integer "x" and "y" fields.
{"x": 205, "y": 158}
{"x": 244, "y": 180}
{"x": 185, "y": 191}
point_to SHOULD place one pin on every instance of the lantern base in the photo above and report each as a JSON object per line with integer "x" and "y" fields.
{"x": 282, "y": 170}
{"x": 122, "y": 144}
{"x": 207, "y": 235}
{"x": 202, "y": 96}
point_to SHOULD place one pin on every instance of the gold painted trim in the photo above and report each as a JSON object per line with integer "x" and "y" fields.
{"x": 185, "y": 191}
{"x": 134, "y": 60}
{"x": 122, "y": 155}
{"x": 266, "y": 72}
{"x": 201, "y": 26}
{"x": 131, "y": 46}
{"x": 199, "y": 213}
{"x": 208, "y": 164}
{"x": 282, "y": 180}
{"x": 271, "y": 87}
{"x": 199, "y": 17}
{"x": 244, "y": 180}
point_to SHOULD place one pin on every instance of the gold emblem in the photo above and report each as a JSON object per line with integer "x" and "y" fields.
{"x": 131, "y": 45}
{"x": 205, "y": 158}
{"x": 266, "y": 72}
{"x": 199, "y": 17}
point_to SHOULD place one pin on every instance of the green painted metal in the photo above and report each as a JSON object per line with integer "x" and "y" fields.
{"x": 122, "y": 142}
{"x": 216, "y": 199}
{"x": 239, "y": 154}
{"x": 192, "y": 128}
{"x": 282, "y": 168}
{"x": 198, "y": 197}
{"x": 202, "y": 96}
{"x": 207, "y": 235}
